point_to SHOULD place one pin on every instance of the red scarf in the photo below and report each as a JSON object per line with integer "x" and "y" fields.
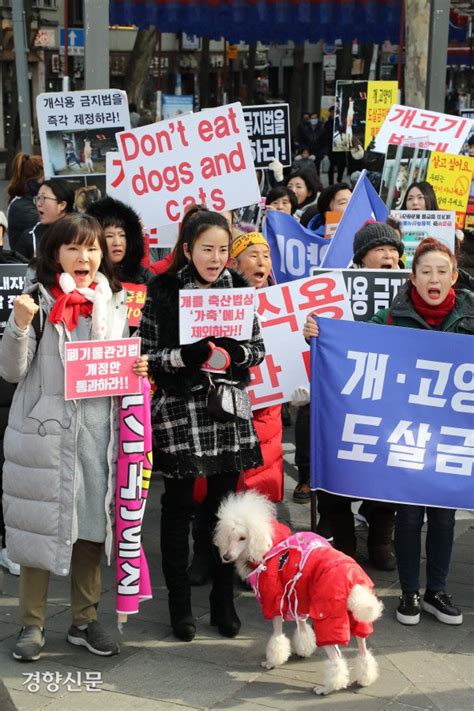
{"x": 433, "y": 315}
{"x": 68, "y": 307}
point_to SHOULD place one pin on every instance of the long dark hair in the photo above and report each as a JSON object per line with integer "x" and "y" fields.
{"x": 74, "y": 227}
{"x": 24, "y": 168}
{"x": 312, "y": 182}
{"x": 196, "y": 221}
{"x": 62, "y": 192}
{"x": 426, "y": 189}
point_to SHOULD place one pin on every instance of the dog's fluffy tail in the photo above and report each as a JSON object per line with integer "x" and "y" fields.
{"x": 363, "y": 604}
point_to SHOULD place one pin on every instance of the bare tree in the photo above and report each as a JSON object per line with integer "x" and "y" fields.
{"x": 296, "y": 89}
{"x": 252, "y": 55}
{"x": 416, "y": 64}
{"x": 138, "y": 69}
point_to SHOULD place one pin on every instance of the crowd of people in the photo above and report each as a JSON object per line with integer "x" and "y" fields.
{"x": 59, "y": 455}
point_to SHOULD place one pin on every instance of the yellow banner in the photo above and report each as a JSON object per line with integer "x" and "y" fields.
{"x": 451, "y": 177}
{"x": 380, "y": 97}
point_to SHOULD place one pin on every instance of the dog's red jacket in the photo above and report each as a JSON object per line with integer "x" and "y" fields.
{"x": 320, "y": 591}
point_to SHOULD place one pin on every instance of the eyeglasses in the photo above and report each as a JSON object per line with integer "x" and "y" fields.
{"x": 39, "y": 199}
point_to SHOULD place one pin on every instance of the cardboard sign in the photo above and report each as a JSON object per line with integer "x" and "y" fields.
{"x": 418, "y": 225}
{"x": 12, "y": 281}
{"x": 332, "y": 221}
{"x": 200, "y": 158}
{"x": 360, "y": 109}
{"x": 282, "y": 311}
{"x": 77, "y": 128}
{"x": 440, "y": 132}
{"x": 216, "y": 312}
{"x": 451, "y": 178}
{"x": 268, "y": 129}
{"x": 136, "y": 297}
{"x": 100, "y": 368}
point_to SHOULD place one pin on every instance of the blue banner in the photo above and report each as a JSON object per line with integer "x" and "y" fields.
{"x": 392, "y": 414}
{"x": 364, "y": 205}
{"x": 295, "y": 251}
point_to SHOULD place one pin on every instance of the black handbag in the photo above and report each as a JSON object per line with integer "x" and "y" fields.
{"x": 225, "y": 402}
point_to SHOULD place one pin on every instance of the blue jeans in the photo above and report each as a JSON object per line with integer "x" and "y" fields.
{"x": 439, "y": 544}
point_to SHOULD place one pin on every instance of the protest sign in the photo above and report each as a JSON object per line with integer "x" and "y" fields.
{"x": 417, "y": 225}
{"x": 199, "y": 158}
{"x": 294, "y": 249}
{"x": 469, "y": 114}
{"x": 451, "y": 178}
{"x": 332, "y": 221}
{"x": 216, "y": 312}
{"x": 172, "y": 106}
{"x": 268, "y": 129}
{"x": 401, "y": 414}
{"x": 369, "y": 290}
{"x": 100, "y": 368}
{"x": 469, "y": 219}
{"x": 360, "y": 109}
{"x": 282, "y": 311}
{"x": 77, "y": 129}
{"x": 440, "y": 132}
{"x": 403, "y": 165}
{"x": 12, "y": 282}
{"x": 364, "y": 205}
{"x": 136, "y": 297}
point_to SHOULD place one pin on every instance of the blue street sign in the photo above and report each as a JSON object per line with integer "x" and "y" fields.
{"x": 75, "y": 40}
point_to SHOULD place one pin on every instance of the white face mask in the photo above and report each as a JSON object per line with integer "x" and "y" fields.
{"x": 314, "y": 121}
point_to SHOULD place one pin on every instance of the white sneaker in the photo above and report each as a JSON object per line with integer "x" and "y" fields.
{"x": 5, "y": 562}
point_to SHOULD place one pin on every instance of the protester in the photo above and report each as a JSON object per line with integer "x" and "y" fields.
{"x": 335, "y": 198}
{"x": 59, "y": 472}
{"x": 304, "y": 160}
{"x": 27, "y": 174}
{"x": 376, "y": 246}
{"x": 428, "y": 301}
{"x": 188, "y": 441}
{"x": 53, "y": 201}
{"x": 250, "y": 256}
{"x": 281, "y": 199}
{"x": 420, "y": 196}
{"x": 124, "y": 237}
{"x": 134, "y": 115}
{"x": 306, "y": 187}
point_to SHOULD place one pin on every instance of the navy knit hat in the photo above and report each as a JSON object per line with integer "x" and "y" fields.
{"x": 374, "y": 234}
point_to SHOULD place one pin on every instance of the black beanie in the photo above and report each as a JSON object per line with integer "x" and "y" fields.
{"x": 374, "y": 234}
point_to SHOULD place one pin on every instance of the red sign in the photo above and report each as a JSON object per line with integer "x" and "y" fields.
{"x": 136, "y": 297}
{"x": 101, "y": 368}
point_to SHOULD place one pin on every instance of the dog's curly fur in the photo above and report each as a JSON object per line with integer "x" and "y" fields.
{"x": 243, "y": 536}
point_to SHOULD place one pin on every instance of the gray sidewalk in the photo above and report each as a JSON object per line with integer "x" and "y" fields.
{"x": 430, "y": 666}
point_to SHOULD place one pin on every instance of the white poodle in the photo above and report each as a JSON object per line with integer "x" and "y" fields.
{"x": 296, "y": 577}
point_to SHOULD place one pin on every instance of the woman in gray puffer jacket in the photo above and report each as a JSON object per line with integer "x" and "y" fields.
{"x": 60, "y": 455}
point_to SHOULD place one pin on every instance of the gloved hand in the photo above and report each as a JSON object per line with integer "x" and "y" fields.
{"x": 300, "y": 397}
{"x": 233, "y": 348}
{"x": 277, "y": 169}
{"x": 196, "y": 353}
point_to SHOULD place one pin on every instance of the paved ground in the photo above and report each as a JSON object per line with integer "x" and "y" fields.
{"x": 430, "y": 666}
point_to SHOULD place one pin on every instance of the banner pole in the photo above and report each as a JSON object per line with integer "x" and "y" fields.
{"x": 312, "y": 434}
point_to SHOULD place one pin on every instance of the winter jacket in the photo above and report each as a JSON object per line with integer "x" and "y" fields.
{"x": 290, "y": 584}
{"x": 28, "y": 242}
{"x": 162, "y": 265}
{"x": 40, "y": 442}
{"x": 22, "y": 215}
{"x": 268, "y": 478}
{"x": 187, "y": 441}
{"x": 402, "y": 311}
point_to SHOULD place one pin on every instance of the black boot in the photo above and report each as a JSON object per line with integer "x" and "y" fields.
{"x": 175, "y": 520}
{"x": 379, "y": 540}
{"x": 200, "y": 570}
{"x": 223, "y": 614}
{"x": 343, "y": 531}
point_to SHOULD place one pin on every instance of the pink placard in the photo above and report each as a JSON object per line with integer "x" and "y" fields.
{"x": 101, "y": 368}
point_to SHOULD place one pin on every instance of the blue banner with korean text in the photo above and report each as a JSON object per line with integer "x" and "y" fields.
{"x": 295, "y": 251}
{"x": 392, "y": 414}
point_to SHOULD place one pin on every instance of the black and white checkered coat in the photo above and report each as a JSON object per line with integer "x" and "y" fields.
{"x": 187, "y": 441}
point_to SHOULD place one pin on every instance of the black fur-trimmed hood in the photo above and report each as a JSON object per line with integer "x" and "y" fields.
{"x": 107, "y": 211}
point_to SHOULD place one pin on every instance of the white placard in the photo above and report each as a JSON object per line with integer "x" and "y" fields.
{"x": 77, "y": 128}
{"x": 282, "y": 311}
{"x": 441, "y": 132}
{"x": 219, "y": 313}
{"x": 417, "y": 225}
{"x": 200, "y": 158}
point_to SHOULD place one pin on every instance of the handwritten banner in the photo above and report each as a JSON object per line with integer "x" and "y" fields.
{"x": 101, "y": 368}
